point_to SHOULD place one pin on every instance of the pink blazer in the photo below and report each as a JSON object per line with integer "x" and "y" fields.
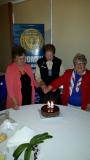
{"x": 13, "y": 84}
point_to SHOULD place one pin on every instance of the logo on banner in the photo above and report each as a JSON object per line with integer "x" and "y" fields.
{"x": 31, "y": 39}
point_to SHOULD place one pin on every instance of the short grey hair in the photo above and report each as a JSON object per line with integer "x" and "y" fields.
{"x": 81, "y": 57}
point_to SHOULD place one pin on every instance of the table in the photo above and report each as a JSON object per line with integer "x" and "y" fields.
{"x": 70, "y": 131}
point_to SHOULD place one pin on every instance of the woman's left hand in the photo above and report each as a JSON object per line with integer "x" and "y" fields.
{"x": 88, "y": 107}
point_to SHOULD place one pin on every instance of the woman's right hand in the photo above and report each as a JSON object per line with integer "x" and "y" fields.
{"x": 16, "y": 107}
{"x": 47, "y": 89}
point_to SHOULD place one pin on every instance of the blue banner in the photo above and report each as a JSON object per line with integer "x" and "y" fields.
{"x": 31, "y": 38}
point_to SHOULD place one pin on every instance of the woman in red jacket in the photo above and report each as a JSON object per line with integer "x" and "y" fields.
{"x": 19, "y": 80}
{"x": 76, "y": 84}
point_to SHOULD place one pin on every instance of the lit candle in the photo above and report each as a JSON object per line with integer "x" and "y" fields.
{"x": 52, "y": 104}
{"x": 48, "y": 104}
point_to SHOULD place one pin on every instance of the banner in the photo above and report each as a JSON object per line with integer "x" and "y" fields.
{"x": 31, "y": 38}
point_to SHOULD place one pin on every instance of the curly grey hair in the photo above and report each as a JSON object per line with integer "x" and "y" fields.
{"x": 81, "y": 57}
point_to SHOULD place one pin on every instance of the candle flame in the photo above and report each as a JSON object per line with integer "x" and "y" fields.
{"x": 50, "y": 104}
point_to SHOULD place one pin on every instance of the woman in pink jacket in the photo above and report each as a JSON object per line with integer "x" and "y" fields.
{"x": 76, "y": 84}
{"x": 19, "y": 81}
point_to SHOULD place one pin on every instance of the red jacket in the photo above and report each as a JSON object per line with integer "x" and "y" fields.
{"x": 65, "y": 81}
{"x": 13, "y": 83}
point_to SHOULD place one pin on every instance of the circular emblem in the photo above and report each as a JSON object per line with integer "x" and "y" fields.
{"x": 31, "y": 39}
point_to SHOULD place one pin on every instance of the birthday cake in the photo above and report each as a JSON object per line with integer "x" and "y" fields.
{"x": 50, "y": 110}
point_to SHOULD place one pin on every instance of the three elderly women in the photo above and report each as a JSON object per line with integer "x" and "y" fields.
{"x": 21, "y": 83}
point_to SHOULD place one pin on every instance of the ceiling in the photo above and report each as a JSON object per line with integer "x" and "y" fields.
{"x": 13, "y": 1}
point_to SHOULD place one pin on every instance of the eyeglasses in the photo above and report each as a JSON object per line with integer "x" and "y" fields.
{"x": 79, "y": 63}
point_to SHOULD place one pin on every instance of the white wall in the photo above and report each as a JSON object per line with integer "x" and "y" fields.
{"x": 70, "y": 24}
{"x": 71, "y": 28}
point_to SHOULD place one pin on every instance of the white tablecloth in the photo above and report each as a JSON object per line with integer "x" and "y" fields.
{"x": 70, "y": 131}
